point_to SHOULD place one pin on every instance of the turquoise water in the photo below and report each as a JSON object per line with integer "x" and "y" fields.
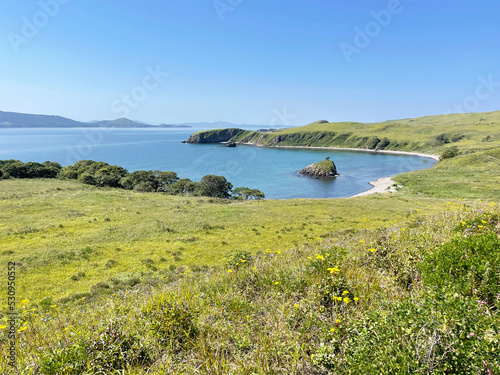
{"x": 274, "y": 171}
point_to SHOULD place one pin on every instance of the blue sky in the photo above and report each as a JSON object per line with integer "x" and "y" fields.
{"x": 270, "y": 62}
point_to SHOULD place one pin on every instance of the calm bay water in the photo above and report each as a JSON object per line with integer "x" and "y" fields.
{"x": 274, "y": 171}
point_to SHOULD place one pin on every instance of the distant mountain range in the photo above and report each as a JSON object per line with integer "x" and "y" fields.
{"x": 24, "y": 120}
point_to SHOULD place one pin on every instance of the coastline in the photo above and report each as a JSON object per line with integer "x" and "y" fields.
{"x": 430, "y": 156}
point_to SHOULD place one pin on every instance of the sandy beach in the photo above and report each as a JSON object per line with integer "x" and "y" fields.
{"x": 382, "y": 185}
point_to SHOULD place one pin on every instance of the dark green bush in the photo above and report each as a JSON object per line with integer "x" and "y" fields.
{"x": 372, "y": 143}
{"x": 450, "y": 153}
{"x": 442, "y": 139}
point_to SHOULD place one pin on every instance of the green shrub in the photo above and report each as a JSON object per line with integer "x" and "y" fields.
{"x": 372, "y": 143}
{"x": 450, "y": 153}
{"x": 468, "y": 265}
{"x": 436, "y": 333}
{"x": 383, "y": 143}
{"x": 442, "y": 139}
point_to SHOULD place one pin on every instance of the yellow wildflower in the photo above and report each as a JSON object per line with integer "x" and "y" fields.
{"x": 229, "y": 271}
{"x": 345, "y": 292}
{"x": 347, "y": 300}
{"x": 333, "y": 269}
{"x": 320, "y": 257}
{"x": 372, "y": 250}
{"x": 22, "y": 329}
{"x": 276, "y": 282}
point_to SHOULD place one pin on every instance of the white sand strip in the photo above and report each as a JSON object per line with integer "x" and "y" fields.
{"x": 382, "y": 185}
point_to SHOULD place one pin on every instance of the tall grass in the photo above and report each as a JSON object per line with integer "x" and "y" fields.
{"x": 350, "y": 303}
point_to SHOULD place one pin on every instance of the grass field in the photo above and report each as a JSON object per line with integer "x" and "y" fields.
{"x": 62, "y": 228}
{"x": 116, "y": 281}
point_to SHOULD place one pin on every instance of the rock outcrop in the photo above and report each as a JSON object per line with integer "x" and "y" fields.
{"x": 214, "y": 136}
{"x": 323, "y": 169}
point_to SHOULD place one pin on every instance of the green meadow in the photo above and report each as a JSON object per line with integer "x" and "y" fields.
{"x": 116, "y": 281}
{"x": 56, "y": 229}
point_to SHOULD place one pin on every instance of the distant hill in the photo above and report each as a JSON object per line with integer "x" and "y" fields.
{"x": 122, "y": 123}
{"x": 24, "y": 120}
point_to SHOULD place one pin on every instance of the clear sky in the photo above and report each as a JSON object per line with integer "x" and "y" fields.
{"x": 249, "y": 61}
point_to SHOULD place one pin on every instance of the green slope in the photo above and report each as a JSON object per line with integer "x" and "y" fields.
{"x": 470, "y": 132}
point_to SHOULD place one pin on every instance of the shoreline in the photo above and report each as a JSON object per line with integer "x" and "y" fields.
{"x": 430, "y": 156}
{"x": 381, "y": 185}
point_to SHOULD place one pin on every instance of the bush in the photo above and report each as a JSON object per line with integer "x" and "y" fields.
{"x": 442, "y": 139}
{"x": 215, "y": 186}
{"x": 435, "y": 333}
{"x": 383, "y": 143}
{"x": 469, "y": 266}
{"x": 372, "y": 143}
{"x": 87, "y": 178}
{"x": 450, "y": 153}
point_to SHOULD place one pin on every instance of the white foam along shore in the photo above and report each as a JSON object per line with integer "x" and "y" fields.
{"x": 383, "y": 184}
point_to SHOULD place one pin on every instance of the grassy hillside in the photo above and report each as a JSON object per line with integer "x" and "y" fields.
{"x": 475, "y": 175}
{"x": 296, "y": 293}
{"x": 115, "y": 280}
{"x": 470, "y": 132}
